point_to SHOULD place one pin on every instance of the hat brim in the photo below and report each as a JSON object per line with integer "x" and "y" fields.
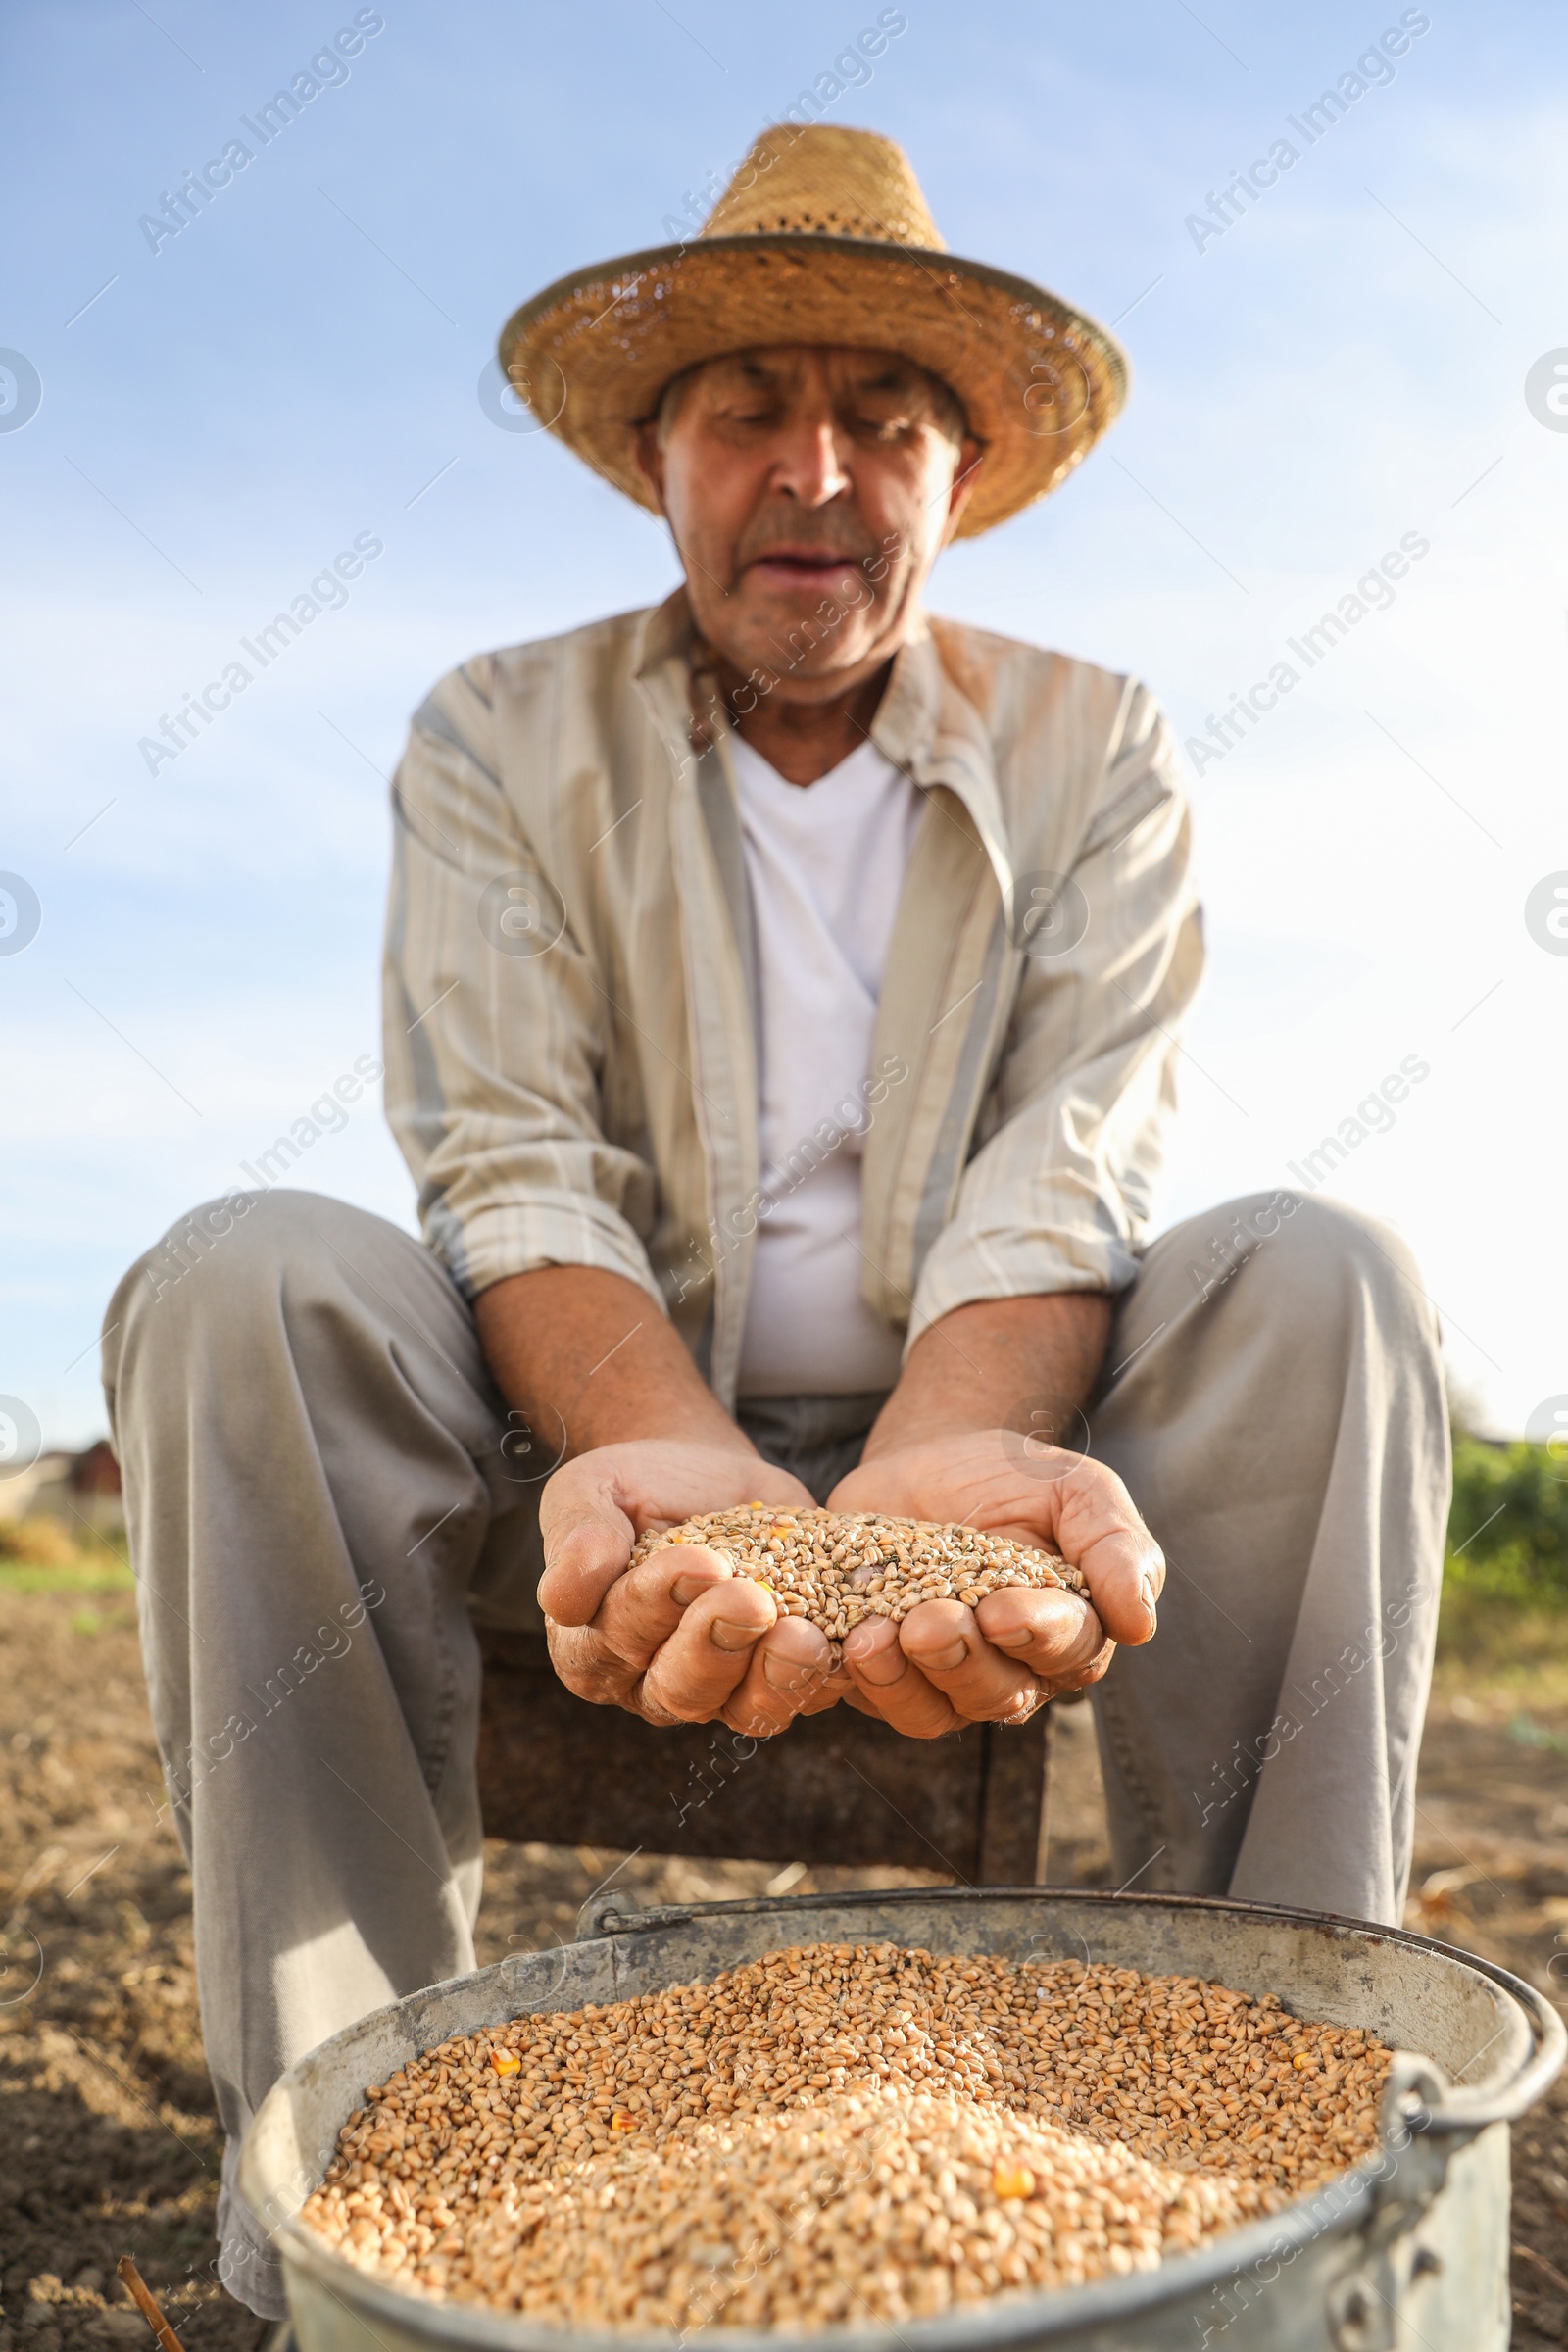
{"x": 1040, "y": 381}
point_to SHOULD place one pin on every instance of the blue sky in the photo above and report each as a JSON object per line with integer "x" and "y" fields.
{"x": 1340, "y": 371}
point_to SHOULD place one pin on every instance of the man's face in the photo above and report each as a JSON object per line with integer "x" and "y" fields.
{"x": 808, "y": 491}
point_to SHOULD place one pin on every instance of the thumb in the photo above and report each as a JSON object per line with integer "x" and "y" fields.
{"x": 1100, "y": 1530}
{"x": 587, "y": 1539}
{"x": 1124, "y": 1573}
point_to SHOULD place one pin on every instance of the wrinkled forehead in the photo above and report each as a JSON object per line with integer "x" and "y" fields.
{"x": 788, "y": 370}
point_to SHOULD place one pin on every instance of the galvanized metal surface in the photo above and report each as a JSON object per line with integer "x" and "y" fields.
{"x": 1408, "y": 2250}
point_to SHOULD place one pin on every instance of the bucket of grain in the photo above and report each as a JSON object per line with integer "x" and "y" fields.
{"x": 954, "y": 2118}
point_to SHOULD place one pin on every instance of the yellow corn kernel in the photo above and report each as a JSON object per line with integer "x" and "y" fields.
{"x": 1013, "y": 2180}
{"x": 505, "y": 2061}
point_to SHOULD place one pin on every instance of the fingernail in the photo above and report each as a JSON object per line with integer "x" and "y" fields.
{"x": 882, "y": 1667}
{"x": 1019, "y": 1638}
{"x": 686, "y": 1591}
{"x": 1148, "y": 1602}
{"x": 728, "y": 1636}
{"x": 945, "y": 1660}
{"x": 787, "y": 1672}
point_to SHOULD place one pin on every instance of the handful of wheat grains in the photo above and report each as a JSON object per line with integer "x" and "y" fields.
{"x": 837, "y": 1568}
{"x": 839, "y": 2133}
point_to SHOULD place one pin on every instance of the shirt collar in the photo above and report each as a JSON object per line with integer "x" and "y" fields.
{"x": 666, "y": 633}
{"x": 932, "y": 729}
{"x": 927, "y": 724}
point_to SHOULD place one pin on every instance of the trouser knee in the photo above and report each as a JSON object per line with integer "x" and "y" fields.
{"x": 1313, "y": 1260}
{"x": 216, "y": 1274}
{"x": 227, "y": 1253}
{"x": 195, "y": 1239}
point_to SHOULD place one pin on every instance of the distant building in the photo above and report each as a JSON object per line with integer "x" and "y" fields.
{"x": 79, "y": 1490}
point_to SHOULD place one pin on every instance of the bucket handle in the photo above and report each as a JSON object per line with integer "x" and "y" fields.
{"x": 1425, "y": 2117}
{"x": 1421, "y": 2124}
{"x": 1432, "y": 2103}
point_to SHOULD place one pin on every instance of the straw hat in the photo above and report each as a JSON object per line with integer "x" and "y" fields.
{"x": 823, "y": 236}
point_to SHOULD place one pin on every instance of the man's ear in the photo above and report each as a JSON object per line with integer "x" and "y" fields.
{"x": 971, "y": 457}
{"x": 649, "y": 459}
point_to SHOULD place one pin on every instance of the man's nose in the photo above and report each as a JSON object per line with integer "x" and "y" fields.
{"x": 810, "y": 467}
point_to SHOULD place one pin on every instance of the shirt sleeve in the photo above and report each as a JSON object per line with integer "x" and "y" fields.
{"x": 493, "y": 1026}
{"x": 1057, "y": 1195}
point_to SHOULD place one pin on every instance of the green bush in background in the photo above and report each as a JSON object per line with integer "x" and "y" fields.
{"x": 1509, "y": 1525}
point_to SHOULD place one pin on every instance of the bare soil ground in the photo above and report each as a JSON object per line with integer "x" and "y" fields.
{"x": 108, "y": 2142}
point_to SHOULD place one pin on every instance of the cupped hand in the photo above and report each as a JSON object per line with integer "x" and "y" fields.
{"x": 680, "y": 1637}
{"x": 945, "y": 1665}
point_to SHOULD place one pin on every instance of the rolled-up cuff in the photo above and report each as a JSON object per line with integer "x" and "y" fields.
{"x": 965, "y": 1267}
{"x": 248, "y": 2263}
{"x": 517, "y": 1236}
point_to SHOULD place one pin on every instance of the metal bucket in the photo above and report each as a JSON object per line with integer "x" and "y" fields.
{"x": 1409, "y": 2249}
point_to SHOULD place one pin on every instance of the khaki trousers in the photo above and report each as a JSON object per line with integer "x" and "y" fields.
{"x": 321, "y": 1492}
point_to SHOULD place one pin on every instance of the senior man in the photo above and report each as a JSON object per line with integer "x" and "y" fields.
{"x": 782, "y": 992}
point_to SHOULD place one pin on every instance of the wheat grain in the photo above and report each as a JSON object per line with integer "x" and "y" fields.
{"x": 841, "y": 2132}
{"x": 838, "y": 1568}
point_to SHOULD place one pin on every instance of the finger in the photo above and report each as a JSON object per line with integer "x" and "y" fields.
{"x": 834, "y": 1687}
{"x": 1054, "y": 1634}
{"x": 1101, "y": 1531}
{"x": 691, "y": 1675}
{"x": 642, "y": 1608}
{"x": 862, "y": 1702}
{"x": 1080, "y": 1677}
{"x": 593, "y": 1509}
{"x": 784, "y": 1678}
{"x": 587, "y": 1665}
{"x": 893, "y": 1684}
{"x": 943, "y": 1638}
{"x": 604, "y": 1661}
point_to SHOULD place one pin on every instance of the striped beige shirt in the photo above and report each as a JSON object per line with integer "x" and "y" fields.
{"x": 569, "y": 981}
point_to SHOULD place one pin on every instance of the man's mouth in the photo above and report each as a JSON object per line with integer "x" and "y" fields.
{"x": 811, "y": 566}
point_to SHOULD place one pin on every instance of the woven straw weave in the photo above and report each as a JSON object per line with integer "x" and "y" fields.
{"x": 823, "y": 238}
{"x": 825, "y": 182}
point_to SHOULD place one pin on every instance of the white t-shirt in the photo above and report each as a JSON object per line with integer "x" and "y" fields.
{"x": 826, "y": 864}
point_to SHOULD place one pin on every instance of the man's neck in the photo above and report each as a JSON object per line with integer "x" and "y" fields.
{"x": 803, "y": 740}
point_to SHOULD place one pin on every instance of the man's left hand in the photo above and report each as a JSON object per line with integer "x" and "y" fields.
{"x": 944, "y": 1664}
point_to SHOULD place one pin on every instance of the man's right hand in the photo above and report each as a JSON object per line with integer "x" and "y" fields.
{"x": 681, "y": 1638}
